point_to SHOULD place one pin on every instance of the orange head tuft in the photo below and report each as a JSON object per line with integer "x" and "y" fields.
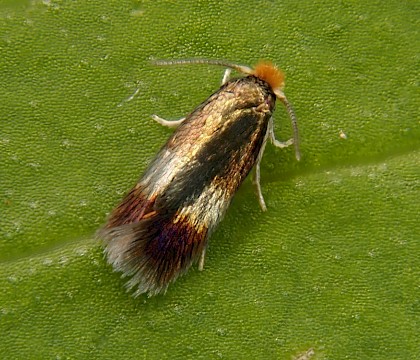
{"x": 268, "y": 72}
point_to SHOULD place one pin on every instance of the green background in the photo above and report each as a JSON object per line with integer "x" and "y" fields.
{"x": 333, "y": 265}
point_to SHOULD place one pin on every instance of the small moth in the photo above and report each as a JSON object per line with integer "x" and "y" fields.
{"x": 163, "y": 224}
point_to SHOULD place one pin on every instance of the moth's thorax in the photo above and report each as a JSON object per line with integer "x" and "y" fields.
{"x": 249, "y": 93}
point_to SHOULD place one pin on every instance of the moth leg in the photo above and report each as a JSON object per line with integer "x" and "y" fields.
{"x": 201, "y": 261}
{"x": 274, "y": 141}
{"x": 168, "y": 123}
{"x": 226, "y": 76}
{"x": 257, "y": 175}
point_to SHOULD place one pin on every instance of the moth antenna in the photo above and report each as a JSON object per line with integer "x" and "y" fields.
{"x": 240, "y": 68}
{"x": 280, "y": 95}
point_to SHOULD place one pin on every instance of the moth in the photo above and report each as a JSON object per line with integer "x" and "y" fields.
{"x": 163, "y": 224}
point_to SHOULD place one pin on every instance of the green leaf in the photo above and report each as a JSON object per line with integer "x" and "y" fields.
{"x": 332, "y": 266}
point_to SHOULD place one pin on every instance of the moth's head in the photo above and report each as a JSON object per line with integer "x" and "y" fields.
{"x": 267, "y": 71}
